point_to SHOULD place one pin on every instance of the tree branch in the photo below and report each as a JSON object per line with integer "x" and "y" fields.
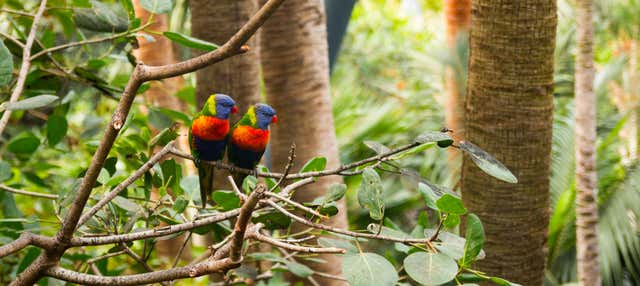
{"x": 27, "y": 193}
{"x": 25, "y": 239}
{"x": 156, "y": 232}
{"x": 124, "y": 184}
{"x": 207, "y": 267}
{"x": 239, "y": 230}
{"x": 347, "y": 232}
{"x": 24, "y": 68}
{"x": 342, "y": 170}
{"x": 87, "y": 42}
{"x": 278, "y": 243}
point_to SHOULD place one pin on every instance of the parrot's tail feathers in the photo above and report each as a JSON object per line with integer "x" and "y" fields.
{"x": 205, "y": 172}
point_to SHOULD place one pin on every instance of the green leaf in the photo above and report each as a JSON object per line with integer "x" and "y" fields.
{"x": 502, "y": 282}
{"x": 451, "y": 221}
{"x": 430, "y": 268}
{"x": 379, "y": 148}
{"x": 298, "y": 269}
{"x": 128, "y": 6}
{"x": 450, "y": 204}
{"x": 28, "y": 259}
{"x": 366, "y": 269}
{"x": 180, "y": 205}
{"x": 228, "y": 200}
{"x": 315, "y": 164}
{"x": 428, "y": 195}
{"x": 488, "y": 163}
{"x": 475, "y": 240}
{"x": 5, "y": 171}
{"x": 336, "y": 192}
{"x": 450, "y": 244}
{"x": 100, "y": 18}
{"x": 339, "y": 243}
{"x": 273, "y": 220}
{"x": 191, "y": 187}
{"x": 6, "y": 65}
{"x": 56, "y": 129}
{"x": 29, "y": 103}
{"x": 370, "y": 194}
{"x": 433, "y": 136}
{"x": 25, "y": 143}
{"x": 157, "y": 6}
{"x": 190, "y": 42}
{"x": 412, "y": 151}
{"x": 249, "y": 184}
{"x": 163, "y": 138}
{"x": 126, "y": 204}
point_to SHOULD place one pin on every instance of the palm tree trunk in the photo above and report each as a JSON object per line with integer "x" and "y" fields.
{"x": 216, "y": 21}
{"x": 296, "y": 77}
{"x": 161, "y": 94}
{"x": 509, "y": 109}
{"x": 586, "y": 179}
{"x": 457, "y": 15}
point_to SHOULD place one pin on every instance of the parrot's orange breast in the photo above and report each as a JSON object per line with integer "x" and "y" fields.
{"x": 210, "y": 128}
{"x": 249, "y": 138}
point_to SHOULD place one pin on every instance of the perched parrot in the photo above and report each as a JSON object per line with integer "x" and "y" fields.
{"x": 208, "y": 138}
{"x": 249, "y": 138}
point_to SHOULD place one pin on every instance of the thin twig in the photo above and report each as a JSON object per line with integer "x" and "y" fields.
{"x": 88, "y": 42}
{"x": 27, "y": 193}
{"x": 124, "y": 184}
{"x": 10, "y": 38}
{"x": 21, "y": 13}
{"x": 287, "y": 168}
{"x": 235, "y": 188}
{"x": 306, "y": 249}
{"x": 24, "y": 68}
{"x": 295, "y": 204}
{"x": 347, "y": 232}
{"x": 342, "y": 170}
{"x": 156, "y": 232}
{"x": 182, "y": 247}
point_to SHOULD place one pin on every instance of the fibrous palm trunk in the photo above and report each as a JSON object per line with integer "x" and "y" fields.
{"x": 216, "y": 21}
{"x": 296, "y": 76}
{"x": 161, "y": 94}
{"x": 457, "y": 16}
{"x": 586, "y": 179}
{"x": 509, "y": 109}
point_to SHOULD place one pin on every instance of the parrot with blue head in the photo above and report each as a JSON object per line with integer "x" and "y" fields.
{"x": 208, "y": 137}
{"x": 249, "y": 138}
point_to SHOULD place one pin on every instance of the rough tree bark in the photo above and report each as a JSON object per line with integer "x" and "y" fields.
{"x": 509, "y": 108}
{"x": 457, "y": 17}
{"x": 296, "y": 77}
{"x": 216, "y": 21}
{"x": 586, "y": 178}
{"x": 161, "y": 94}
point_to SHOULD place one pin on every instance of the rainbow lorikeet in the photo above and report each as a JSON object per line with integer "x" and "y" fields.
{"x": 249, "y": 138}
{"x": 208, "y": 138}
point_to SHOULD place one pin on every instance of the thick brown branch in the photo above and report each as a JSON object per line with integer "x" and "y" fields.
{"x": 124, "y": 184}
{"x": 207, "y": 267}
{"x": 25, "y": 240}
{"x": 240, "y": 228}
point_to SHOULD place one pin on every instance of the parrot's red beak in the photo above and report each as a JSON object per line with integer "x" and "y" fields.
{"x": 234, "y": 109}
{"x": 274, "y": 119}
